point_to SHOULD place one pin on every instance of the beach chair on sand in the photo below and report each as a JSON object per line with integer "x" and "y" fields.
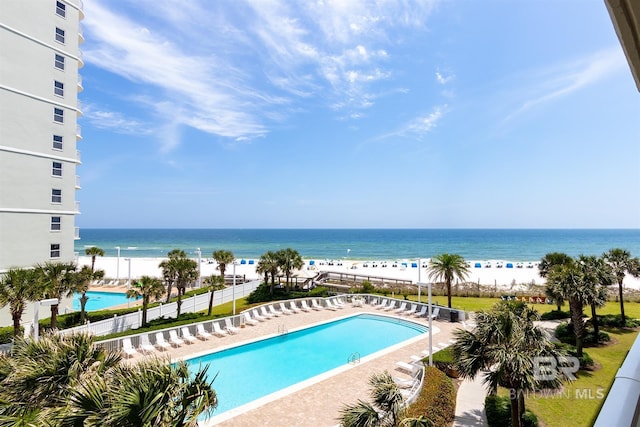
{"x": 229, "y": 326}
{"x": 284, "y": 309}
{"x": 161, "y": 343}
{"x": 127, "y": 348}
{"x": 422, "y": 312}
{"x": 174, "y": 339}
{"x": 249, "y": 320}
{"x": 201, "y": 333}
{"x": 217, "y": 330}
{"x": 186, "y": 335}
{"x": 145, "y": 345}
{"x": 304, "y": 306}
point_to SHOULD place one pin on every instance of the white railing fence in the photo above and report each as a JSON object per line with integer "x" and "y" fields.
{"x": 170, "y": 310}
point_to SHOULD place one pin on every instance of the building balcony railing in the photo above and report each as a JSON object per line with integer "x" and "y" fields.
{"x": 77, "y": 211}
{"x": 78, "y": 182}
{"x": 80, "y": 87}
{"x": 80, "y": 35}
{"x": 81, "y": 9}
{"x": 76, "y": 231}
{"x": 78, "y": 132}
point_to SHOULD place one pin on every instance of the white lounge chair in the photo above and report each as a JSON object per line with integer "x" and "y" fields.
{"x": 249, "y": 320}
{"x": 265, "y": 313}
{"x": 402, "y": 308}
{"x": 217, "y": 330}
{"x": 315, "y": 305}
{"x": 273, "y": 311}
{"x": 284, "y": 309}
{"x": 201, "y": 332}
{"x": 382, "y": 305}
{"x": 186, "y": 335}
{"x": 340, "y": 303}
{"x": 410, "y": 368}
{"x": 257, "y": 316}
{"x": 422, "y": 312}
{"x": 145, "y": 345}
{"x": 161, "y": 343}
{"x": 390, "y": 306}
{"x": 229, "y": 327}
{"x": 127, "y": 348}
{"x": 330, "y": 305}
{"x": 304, "y": 306}
{"x": 406, "y": 383}
{"x": 410, "y": 311}
{"x": 294, "y": 307}
{"x": 174, "y": 339}
{"x": 435, "y": 313}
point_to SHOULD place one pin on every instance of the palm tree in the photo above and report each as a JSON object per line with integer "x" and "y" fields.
{"x": 268, "y": 265}
{"x": 446, "y": 267}
{"x": 386, "y": 409}
{"x": 80, "y": 283}
{"x": 503, "y": 346}
{"x": 548, "y": 263}
{"x": 600, "y": 276}
{"x": 180, "y": 271}
{"x": 147, "y": 288}
{"x": 215, "y": 283}
{"x": 289, "y": 260}
{"x": 93, "y": 252}
{"x": 223, "y": 257}
{"x": 622, "y": 264}
{"x": 56, "y": 281}
{"x": 16, "y": 288}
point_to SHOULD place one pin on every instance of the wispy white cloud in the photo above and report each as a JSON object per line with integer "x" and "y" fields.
{"x": 113, "y": 120}
{"x": 230, "y": 69}
{"x": 442, "y": 78}
{"x": 418, "y": 127}
{"x": 563, "y": 79}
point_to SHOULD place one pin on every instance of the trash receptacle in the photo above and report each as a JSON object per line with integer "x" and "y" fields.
{"x": 454, "y": 315}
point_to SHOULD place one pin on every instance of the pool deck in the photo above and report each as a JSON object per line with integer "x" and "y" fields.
{"x": 318, "y": 403}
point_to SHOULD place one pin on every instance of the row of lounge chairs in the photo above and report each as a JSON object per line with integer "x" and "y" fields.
{"x": 412, "y": 310}
{"x": 263, "y": 313}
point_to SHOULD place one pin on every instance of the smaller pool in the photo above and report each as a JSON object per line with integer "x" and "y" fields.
{"x": 100, "y": 300}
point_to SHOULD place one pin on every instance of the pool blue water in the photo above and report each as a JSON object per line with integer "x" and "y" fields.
{"x": 100, "y": 300}
{"x": 254, "y": 370}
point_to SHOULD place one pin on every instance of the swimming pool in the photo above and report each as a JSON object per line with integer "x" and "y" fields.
{"x": 100, "y": 300}
{"x": 251, "y": 371}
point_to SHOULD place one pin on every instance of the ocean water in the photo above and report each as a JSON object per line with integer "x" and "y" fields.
{"x": 362, "y": 244}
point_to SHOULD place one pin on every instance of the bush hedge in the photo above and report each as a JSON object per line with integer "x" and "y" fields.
{"x": 437, "y": 399}
{"x": 564, "y": 332}
{"x": 555, "y": 315}
{"x": 615, "y": 321}
{"x": 498, "y": 411}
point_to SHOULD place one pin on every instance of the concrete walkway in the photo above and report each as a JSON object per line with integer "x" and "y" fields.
{"x": 470, "y": 404}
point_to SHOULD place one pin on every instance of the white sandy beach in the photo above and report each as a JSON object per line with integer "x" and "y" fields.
{"x": 502, "y": 277}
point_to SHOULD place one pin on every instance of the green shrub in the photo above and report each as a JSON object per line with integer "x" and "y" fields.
{"x": 498, "y": 411}
{"x": 564, "y": 332}
{"x": 6, "y": 334}
{"x": 437, "y": 399}
{"x": 318, "y": 291}
{"x": 615, "y": 321}
{"x": 555, "y": 315}
{"x": 367, "y": 288}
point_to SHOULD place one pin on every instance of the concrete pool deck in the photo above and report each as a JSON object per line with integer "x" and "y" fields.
{"x": 317, "y": 404}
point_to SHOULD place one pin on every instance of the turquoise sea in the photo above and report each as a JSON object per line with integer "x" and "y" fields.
{"x": 363, "y": 244}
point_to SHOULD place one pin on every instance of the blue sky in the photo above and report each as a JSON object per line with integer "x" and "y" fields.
{"x": 344, "y": 114}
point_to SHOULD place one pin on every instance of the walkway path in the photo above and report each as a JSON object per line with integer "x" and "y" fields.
{"x": 470, "y": 404}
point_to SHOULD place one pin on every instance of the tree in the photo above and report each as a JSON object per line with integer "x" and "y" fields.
{"x": 622, "y": 264}
{"x": 548, "y": 263}
{"x": 446, "y": 267}
{"x": 289, "y": 260}
{"x": 56, "y": 281}
{"x": 386, "y": 409}
{"x": 179, "y": 270}
{"x": 599, "y": 276}
{"x": 223, "y": 257}
{"x": 16, "y": 288}
{"x": 503, "y": 346}
{"x": 215, "y": 283}
{"x": 268, "y": 265}
{"x": 93, "y": 252}
{"x": 148, "y": 288}
{"x": 80, "y": 283}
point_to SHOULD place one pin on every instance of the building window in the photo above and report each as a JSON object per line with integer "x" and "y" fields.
{"x": 56, "y": 195}
{"x": 59, "y": 62}
{"x": 56, "y": 169}
{"x": 57, "y": 142}
{"x": 56, "y": 223}
{"x": 60, "y": 35}
{"x": 61, "y": 9}
{"x": 54, "y": 252}
{"x": 58, "y": 115}
{"x": 58, "y": 88}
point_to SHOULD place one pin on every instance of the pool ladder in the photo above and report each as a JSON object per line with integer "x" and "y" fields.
{"x": 282, "y": 329}
{"x": 354, "y": 358}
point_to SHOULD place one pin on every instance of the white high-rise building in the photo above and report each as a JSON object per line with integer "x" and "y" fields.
{"x": 39, "y": 108}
